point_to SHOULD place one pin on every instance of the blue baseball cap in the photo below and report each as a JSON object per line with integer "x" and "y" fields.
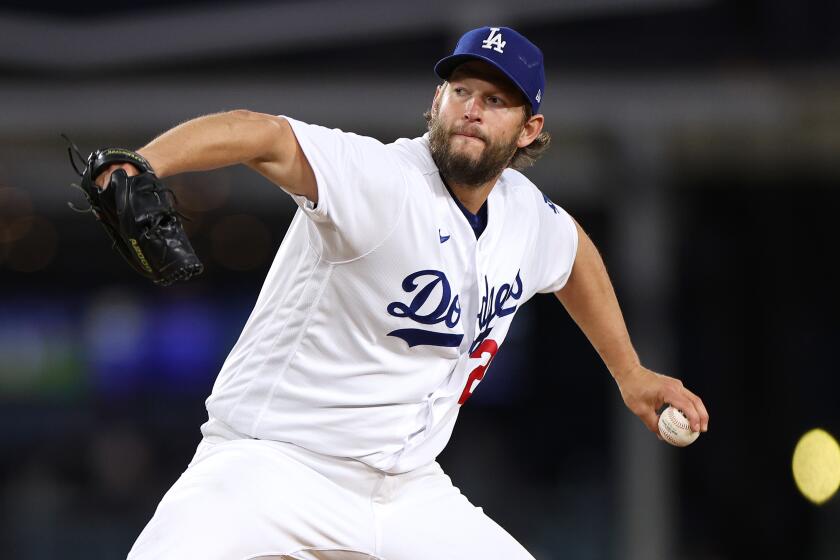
{"x": 518, "y": 58}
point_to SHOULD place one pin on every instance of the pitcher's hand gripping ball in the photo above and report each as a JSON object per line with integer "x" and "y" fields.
{"x": 675, "y": 428}
{"x": 139, "y": 216}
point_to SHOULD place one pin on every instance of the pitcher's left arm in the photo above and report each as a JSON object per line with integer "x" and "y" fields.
{"x": 590, "y": 299}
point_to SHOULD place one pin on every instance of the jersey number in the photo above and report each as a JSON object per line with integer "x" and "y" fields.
{"x": 489, "y": 347}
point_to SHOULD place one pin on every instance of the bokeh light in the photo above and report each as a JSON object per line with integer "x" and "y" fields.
{"x": 194, "y": 194}
{"x": 15, "y": 209}
{"x": 14, "y": 203}
{"x": 35, "y": 247}
{"x": 39, "y": 352}
{"x": 113, "y": 331}
{"x": 816, "y": 466}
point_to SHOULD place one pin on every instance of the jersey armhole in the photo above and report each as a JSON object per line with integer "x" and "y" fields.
{"x": 316, "y": 211}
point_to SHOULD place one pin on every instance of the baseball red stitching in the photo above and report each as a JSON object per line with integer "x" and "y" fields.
{"x": 677, "y": 420}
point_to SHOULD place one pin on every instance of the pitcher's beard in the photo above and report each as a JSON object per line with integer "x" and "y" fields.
{"x": 460, "y": 168}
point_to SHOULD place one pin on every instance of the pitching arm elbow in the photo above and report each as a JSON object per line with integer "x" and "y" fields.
{"x": 282, "y": 160}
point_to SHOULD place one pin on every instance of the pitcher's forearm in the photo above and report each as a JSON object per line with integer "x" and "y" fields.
{"x": 215, "y": 141}
{"x": 599, "y": 317}
{"x": 590, "y": 299}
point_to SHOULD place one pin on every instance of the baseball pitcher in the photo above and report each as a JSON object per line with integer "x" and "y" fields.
{"x": 387, "y": 301}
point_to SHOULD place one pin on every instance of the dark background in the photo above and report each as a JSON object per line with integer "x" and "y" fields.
{"x": 696, "y": 141}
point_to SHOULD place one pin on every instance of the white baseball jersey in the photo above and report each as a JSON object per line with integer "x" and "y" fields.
{"x": 382, "y": 311}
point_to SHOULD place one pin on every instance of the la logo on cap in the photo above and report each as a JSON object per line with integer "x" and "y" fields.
{"x": 494, "y": 41}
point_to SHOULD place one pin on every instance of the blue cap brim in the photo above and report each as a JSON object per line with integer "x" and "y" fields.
{"x": 446, "y": 66}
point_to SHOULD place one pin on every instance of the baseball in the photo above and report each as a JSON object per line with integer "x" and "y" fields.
{"x": 675, "y": 429}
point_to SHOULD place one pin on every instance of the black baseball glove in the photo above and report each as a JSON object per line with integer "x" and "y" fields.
{"x": 138, "y": 215}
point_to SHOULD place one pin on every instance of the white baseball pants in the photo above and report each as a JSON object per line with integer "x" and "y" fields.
{"x": 253, "y": 499}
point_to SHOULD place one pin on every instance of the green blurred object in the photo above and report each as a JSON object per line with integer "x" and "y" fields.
{"x": 42, "y": 363}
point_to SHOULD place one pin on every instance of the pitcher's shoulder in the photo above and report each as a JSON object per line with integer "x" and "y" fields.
{"x": 414, "y": 152}
{"x": 519, "y": 186}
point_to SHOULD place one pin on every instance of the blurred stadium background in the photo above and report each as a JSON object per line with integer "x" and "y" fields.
{"x": 698, "y": 141}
